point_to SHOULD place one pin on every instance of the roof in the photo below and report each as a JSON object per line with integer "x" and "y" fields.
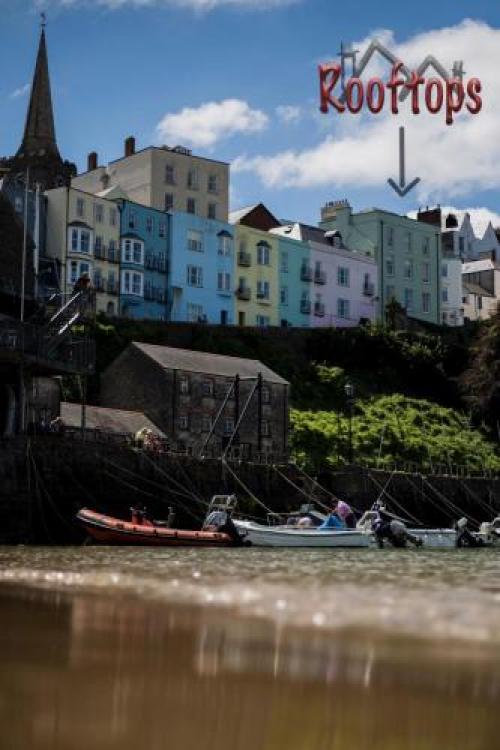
{"x": 476, "y": 266}
{"x": 472, "y": 288}
{"x": 212, "y": 364}
{"x": 109, "y": 420}
{"x": 235, "y": 216}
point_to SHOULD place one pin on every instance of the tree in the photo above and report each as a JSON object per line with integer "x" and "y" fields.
{"x": 481, "y": 381}
{"x": 394, "y": 312}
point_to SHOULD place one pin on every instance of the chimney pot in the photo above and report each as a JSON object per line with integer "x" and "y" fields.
{"x": 130, "y": 146}
{"x": 92, "y": 161}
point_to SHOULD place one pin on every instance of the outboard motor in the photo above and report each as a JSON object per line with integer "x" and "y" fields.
{"x": 465, "y": 537}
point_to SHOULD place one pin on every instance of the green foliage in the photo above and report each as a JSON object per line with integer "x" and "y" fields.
{"x": 388, "y": 430}
{"x": 481, "y": 382}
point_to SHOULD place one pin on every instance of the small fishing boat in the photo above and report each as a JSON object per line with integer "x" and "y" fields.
{"x": 260, "y": 535}
{"x": 142, "y": 532}
{"x": 430, "y": 538}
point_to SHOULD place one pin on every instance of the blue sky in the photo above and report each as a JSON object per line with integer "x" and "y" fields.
{"x": 120, "y": 71}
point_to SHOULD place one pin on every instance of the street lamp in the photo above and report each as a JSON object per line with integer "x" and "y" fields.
{"x": 349, "y": 392}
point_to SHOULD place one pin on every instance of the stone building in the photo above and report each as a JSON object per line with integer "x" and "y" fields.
{"x": 196, "y": 399}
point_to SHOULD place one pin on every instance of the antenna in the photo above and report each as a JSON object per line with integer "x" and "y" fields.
{"x": 43, "y": 19}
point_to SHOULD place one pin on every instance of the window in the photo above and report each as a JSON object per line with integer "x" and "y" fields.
{"x": 262, "y": 321}
{"x": 84, "y": 241}
{"x": 192, "y": 179}
{"x": 207, "y": 388}
{"x": 98, "y": 245}
{"x": 284, "y": 262}
{"x": 390, "y": 293}
{"x": 195, "y": 313}
{"x": 265, "y": 428}
{"x": 225, "y": 245}
{"x": 138, "y": 252}
{"x": 132, "y": 220}
{"x": 228, "y": 426}
{"x": 343, "y": 276}
{"x": 149, "y": 224}
{"x": 223, "y": 282}
{"x": 206, "y": 423}
{"x": 195, "y": 241}
{"x": 212, "y": 211}
{"x": 263, "y": 290}
{"x": 444, "y": 294}
{"x": 263, "y": 254}
{"x": 133, "y": 252}
{"x": 80, "y": 207}
{"x": 194, "y": 276}
{"x": 169, "y": 201}
{"x": 73, "y": 272}
{"x": 212, "y": 183}
{"x": 284, "y": 295}
{"x": 408, "y": 299}
{"x": 169, "y": 174}
{"x": 74, "y": 240}
{"x": 343, "y": 308}
{"x": 132, "y": 283}
{"x": 426, "y": 273}
{"x": 99, "y": 213}
{"x": 390, "y": 236}
{"x": 266, "y": 394}
{"x": 426, "y": 245}
{"x": 444, "y": 270}
{"x": 76, "y": 269}
{"x": 183, "y": 422}
{"x": 184, "y": 384}
{"x": 112, "y": 217}
{"x": 161, "y": 229}
{"x": 389, "y": 265}
{"x": 191, "y": 206}
{"x": 426, "y": 302}
{"x": 408, "y": 269}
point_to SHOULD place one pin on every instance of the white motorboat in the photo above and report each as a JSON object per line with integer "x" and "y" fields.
{"x": 431, "y": 538}
{"x": 261, "y": 535}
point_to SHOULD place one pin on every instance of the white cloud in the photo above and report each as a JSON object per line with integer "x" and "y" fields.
{"x": 210, "y": 123}
{"x": 288, "y": 113}
{"x": 196, "y": 5}
{"x": 21, "y": 91}
{"x": 451, "y": 160}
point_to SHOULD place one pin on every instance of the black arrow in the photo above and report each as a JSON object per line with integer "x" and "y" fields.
{"x": 402, "y": 189}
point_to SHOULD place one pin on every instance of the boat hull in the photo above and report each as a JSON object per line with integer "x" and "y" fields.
{"x": 436, "y": 538}
{"x": 280, "y": 536}
{"x": 114, "y": 531}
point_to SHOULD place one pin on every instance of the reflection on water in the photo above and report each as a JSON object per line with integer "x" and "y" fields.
{"x": 92, "y": 671}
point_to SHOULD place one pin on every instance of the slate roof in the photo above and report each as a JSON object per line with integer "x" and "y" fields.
{"x": 212, "y": 364}
{"x": 109, "y": 420}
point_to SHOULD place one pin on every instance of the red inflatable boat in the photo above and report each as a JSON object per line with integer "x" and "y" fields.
{"x": 109, "y": 530}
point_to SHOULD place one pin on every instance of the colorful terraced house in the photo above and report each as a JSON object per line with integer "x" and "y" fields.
{"x": 201, "y": 270}
{"x": 144, "y": 249}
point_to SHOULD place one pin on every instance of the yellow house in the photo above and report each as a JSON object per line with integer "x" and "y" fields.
{"x": 256, "y": 268}
{"x": 83, "y": 236}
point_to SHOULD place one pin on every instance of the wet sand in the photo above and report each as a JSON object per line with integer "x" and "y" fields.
{"x": 117, "y": 671}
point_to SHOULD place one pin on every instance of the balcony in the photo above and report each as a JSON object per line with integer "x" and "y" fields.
{"x": 369, "y": 289}
{"x": 306, "y": 273}
{"x": 319, "y": 277}
{"x": 319, "y": 309}
{"x": 244, "y": 259}
{"x": 305, "y": 307}
{"x": 244, "y": 293}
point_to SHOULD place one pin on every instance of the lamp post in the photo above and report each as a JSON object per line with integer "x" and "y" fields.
{"x": 349, "y": 393}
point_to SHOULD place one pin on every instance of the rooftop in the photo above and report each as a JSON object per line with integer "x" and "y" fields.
{"x": 108, "y": 420}
{"x": 212, "y": 364}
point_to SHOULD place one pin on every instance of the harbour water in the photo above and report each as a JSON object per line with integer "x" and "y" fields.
{"x": 107, "y": 648}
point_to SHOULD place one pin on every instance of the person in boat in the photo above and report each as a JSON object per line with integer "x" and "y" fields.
{"x": 304, "y": 522}
{"x": 345, "y": 513}
{"x": 332, "y": 522}
{"x": 465, "y": 537}
{"x": 390, "y": 529}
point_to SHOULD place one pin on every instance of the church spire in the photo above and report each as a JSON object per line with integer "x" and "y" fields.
{"x": 39, "y": 131}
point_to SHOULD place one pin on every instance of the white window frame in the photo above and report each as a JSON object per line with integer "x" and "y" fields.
{"x": 263, "y": 255}
{"x": 343, "y": 276}
{"x": 194, "y": 276}
{"x": 343, "y": 308}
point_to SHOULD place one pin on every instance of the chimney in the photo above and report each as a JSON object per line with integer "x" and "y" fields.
{"x": 130, "y": 146}
{"x": 92, "y": 161}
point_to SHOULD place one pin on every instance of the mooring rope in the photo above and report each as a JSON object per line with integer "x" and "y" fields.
{"x": 247, "y": 490}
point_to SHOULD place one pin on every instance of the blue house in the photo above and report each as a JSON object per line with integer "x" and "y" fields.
{"x": 295, "y": 281}
{"x": 201, "y": 270}
{"x": 144, "y": 244}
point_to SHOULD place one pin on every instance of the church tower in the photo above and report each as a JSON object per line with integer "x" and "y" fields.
{"x": 38, "y": 150}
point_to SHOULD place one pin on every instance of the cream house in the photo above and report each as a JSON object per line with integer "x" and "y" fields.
{"x": 83, "y": 236}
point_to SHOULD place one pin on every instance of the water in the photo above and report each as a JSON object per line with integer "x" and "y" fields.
{"x": 108, "y": 648}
